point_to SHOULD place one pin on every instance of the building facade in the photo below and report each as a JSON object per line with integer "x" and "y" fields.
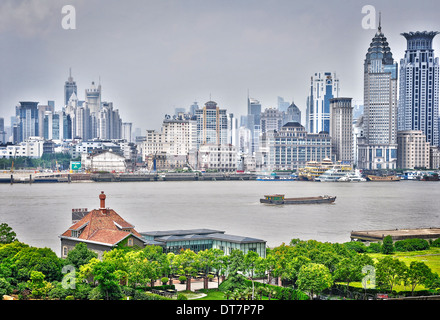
{"x": 413, "y": 150}
{"x": 69, "y": 88}
{"x": 419, "y": 86}
{"x": 341, "y": 129}
{"x": 217, "y": 157}
{"x": 377, "y": 149}
{"x": 292, "y": 147}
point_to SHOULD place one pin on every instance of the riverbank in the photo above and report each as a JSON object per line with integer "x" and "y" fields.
{"x": 36, "y": 177}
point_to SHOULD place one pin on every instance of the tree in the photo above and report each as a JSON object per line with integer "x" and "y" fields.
{"x": 80, "y": 255}
{"x": 417, "y": 273}
{"x": 387, "y": 246}
{"x": 7, "y": 235}
{"x": 314, "y": 278}
{"x": 39, "y": 287}
{"x": 105, "y": 273}
{"x": 390, "y": 272}
{"x": 37, "y": 259}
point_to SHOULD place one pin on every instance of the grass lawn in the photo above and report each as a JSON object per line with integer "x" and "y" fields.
{"x": 430, "y": 257}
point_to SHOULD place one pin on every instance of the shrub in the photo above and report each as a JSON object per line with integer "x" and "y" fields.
{"x": 357, "y": 246}
{"x": 436, "y": 243}
{"x": 181, "y": 296}
{"x": 387, "y": 246}
{"x": 411, "y": 245}
{"x": 164, "y": 280}
{"x": 182, "y": 279}
{"x": 374, "y": 247}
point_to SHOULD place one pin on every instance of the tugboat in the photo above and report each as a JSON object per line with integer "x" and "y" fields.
{"x": 280, "y": 199}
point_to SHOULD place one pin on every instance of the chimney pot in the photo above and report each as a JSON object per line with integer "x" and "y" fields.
{"x": 102, "y": 198}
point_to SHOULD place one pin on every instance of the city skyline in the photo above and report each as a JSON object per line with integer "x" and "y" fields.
{"x": 152, "y": 57}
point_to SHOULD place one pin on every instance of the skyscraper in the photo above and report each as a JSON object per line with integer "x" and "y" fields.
{"x": 323, "y": 87}
{"x": 212, "y": 124}
{"x": 377, "y": 149}
{"x": 341, "y": 129}
{"x": 69, "y": 88}
{"x": 93, "y": 98}
{"x": 27, "y": 115}
{"x": 253, "y": 122}
{"x": 419, "y": 87}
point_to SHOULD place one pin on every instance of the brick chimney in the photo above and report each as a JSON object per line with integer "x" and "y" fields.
{"x": 102, "y": 198}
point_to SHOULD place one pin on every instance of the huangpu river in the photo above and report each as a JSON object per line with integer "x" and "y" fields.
{"x": 39, "y": 213}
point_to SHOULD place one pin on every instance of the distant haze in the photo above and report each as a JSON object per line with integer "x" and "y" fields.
{"x": 154, "y": 56}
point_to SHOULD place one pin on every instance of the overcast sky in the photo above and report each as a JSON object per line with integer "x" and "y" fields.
{"x": 155, "y": 55}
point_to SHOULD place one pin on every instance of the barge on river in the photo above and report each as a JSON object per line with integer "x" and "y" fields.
{"x": 280, "y": 199}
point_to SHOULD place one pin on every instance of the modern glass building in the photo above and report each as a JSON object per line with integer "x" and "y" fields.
{"x": 202, "y": 239}
{"x": 419, "y": 87}
{"x": 377, "y": 149}
{"x": 323, "y": 87}
{"x": 27, "y": 115}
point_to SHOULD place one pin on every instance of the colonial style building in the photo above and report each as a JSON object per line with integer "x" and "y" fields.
{"x": 101, "y": 230}
{"x": 292, "y": 146}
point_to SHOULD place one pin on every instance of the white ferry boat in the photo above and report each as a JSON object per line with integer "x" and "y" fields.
{"x": 333, "y": 174}
{"x": 353, "y": 176}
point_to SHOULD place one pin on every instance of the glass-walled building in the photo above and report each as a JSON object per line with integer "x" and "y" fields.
{"x": 202, "y": 239}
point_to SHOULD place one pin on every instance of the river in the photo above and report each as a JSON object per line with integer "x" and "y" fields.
{"x": 39, "y": 213}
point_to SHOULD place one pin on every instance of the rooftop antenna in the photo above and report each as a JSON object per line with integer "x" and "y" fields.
{"x": 380, "y": 22}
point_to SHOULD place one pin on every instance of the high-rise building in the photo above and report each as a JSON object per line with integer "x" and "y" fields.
{"x": 282, "y": 104}
{"x": 377, "y": 149}
{"x": 28, "y": 124}
{"x": 271, "y": 119}
{"x": 2, "y": 131}
{"x": 212, "y": 124}
{"x": 69, "y": 88}
{"x": 93, "y": 98}
{"x": 127, "y": 131}
{"x": 341, "y": 129}
{"x": 253, "y": 122}
{"x": 419, "y": 87}
{"x": 323, "y": 87}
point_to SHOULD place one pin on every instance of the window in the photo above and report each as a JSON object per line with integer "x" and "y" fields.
{"x": 65, "y": 251}
{"x": 130, "y": 242}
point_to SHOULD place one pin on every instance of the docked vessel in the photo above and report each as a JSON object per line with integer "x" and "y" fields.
{"x": 280, "y": 199}
{"x": 353, "y": 176}
{"x": 334, "y": 174}
{"x": 383, "y": 178}
{"x": 313, "y": 169}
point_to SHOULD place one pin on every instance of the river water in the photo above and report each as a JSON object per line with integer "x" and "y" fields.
{"x": 39, "y": 213}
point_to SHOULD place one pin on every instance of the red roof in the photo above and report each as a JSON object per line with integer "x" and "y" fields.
{"x": 104, "y": 226}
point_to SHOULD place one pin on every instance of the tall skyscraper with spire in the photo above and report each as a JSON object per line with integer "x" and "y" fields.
{"x": 377, "y": 149}
{"x": 419, "y": 87}
{"x": 69, "y": 88}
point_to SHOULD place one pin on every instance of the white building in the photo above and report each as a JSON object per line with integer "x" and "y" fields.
{"x": 104, "y": 161}
{"x": 219, "y": 157}
{"x": 32, "y": 148}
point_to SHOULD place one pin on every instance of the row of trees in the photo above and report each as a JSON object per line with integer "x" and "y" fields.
{"x": 303, "y": 266}
{"x": 48, "y": 161}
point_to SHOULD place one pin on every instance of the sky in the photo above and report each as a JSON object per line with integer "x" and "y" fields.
{"x": 152, "y": 56}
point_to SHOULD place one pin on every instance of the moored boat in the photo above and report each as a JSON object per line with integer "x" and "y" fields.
{"x": 280, "y": 199}
{"x": 383, "y": 178}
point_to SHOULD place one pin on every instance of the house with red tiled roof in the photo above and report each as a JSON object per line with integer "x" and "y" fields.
{"x": 101, "y": 230}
